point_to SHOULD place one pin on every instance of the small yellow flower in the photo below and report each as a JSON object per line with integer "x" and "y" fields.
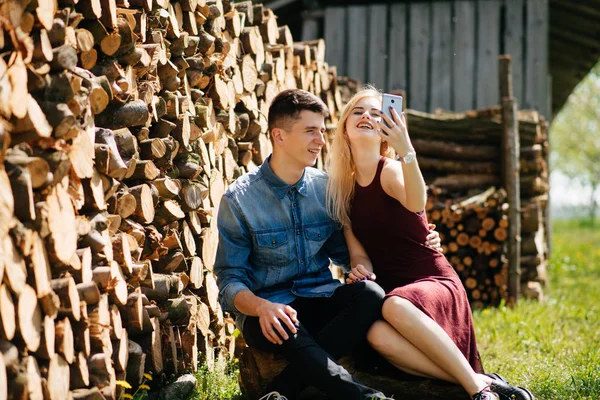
{"x": 124, "y": 384}
{"x": 148, "y": 376}
{"x": 144, "y": 387}
{"x": 127, "y": 396}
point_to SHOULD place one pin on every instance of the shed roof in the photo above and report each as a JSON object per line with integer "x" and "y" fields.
{"x": 574, "y": 45}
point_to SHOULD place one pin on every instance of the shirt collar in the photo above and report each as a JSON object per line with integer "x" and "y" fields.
{"x": 280, "y": 187}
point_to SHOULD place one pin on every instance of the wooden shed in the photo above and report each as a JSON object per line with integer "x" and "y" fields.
{"x": 443, "y": 53}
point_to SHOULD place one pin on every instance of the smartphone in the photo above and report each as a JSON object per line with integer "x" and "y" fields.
{"x": 394, "y": 101}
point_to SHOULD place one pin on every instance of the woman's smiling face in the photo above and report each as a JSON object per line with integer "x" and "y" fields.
{"x": 362, "y": 123}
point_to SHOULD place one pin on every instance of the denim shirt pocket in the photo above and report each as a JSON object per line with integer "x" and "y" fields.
{"x": 272, "y": 248}
{"x": 316, "y": 236}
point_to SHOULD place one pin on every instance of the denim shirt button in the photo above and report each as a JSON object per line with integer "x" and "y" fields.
{"x": 297, "y": 232}
{"x": 273, "y": 242}
{"x": 301, "y": 261}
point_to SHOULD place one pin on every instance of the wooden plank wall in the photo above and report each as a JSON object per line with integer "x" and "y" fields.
{"x": 444, "y": 53}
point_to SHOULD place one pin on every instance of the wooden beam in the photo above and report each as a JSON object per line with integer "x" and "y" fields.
{"x": 377, "y": 48}
{"x": 441, "y": 41}
{"x": 488, "y": 48}
{"x": 397, "y": 57}
{"x": 335, "y": 37}
{"x": 357, "y": 41}
{"x": 511, "y": 150}
{"x": 463, "y": 56}
{"x": 419, "y": 38}
{"x": 514, "y": 40}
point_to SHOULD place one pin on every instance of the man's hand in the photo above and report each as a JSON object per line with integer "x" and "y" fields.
{"x": 359, "y": 273}
{"x": 433, "y": 239}
{"x": 271, "y": 315}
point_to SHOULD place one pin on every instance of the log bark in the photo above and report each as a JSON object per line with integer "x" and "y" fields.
{"x": 131, "y": 114}
{"x": 80, "y": 375}
{"x": 135, "y": 366}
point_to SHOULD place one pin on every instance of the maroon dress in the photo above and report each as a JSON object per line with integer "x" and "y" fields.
{"x": 394, "y": 238}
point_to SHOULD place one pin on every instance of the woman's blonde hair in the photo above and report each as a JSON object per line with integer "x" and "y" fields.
{"x": 340, "y": 164}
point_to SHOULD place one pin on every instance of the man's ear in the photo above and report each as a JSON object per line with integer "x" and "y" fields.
{"x": 277, "y": 135}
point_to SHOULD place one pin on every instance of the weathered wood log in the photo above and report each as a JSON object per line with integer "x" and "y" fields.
{"x": 102, "y": 373}
{"x": 3, "y": 380}
{"x": 64, "y": 340}
{"x": 168, "y": 212}
{"x": 22, "y": 188}
{"x": 61, "y": 224}
{"x": 121, "y": 352}
{"x": 29, "y": 317}
{"x": 8, "y": 324}
{"x": 67, "y": 292}
{"x": 28, "y": 381}
{"x": 115, "y": 166}
{"x": 153, "y": 343}
{"x": 87, "y": 394}
{"x": 165, "y": 286}
{"x": 145, "y": 170}
{"x": 130, "y": 114}
{"x": 258, "y": 368}
{"x": 58, "y": 378}
{"x": 80, "y": 375}
{"x": 135, "y": 366}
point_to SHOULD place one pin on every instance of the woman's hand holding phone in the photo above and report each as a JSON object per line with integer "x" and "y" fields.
{"x": 394, "y": 129}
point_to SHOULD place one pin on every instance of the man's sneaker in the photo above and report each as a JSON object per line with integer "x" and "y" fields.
{"x": 273, "y": 396}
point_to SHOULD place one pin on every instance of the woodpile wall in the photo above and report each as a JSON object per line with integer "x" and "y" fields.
{"x": 122, "y": 122}
{"x": 460, "y": 155}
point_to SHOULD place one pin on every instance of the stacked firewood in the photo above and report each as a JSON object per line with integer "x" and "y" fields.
{"x": 460, "y": 155}
{"x": 473, "y": 233}
{"x": 121, "y": 125}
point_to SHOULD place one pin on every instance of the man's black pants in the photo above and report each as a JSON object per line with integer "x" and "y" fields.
{"x": 328, "y": 328}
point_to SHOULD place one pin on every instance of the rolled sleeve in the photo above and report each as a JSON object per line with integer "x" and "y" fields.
{"x": 338, "y": 250}
{"x": 232, "y": 267}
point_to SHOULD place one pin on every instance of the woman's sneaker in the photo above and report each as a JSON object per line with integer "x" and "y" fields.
{"x": 509, "y": 392}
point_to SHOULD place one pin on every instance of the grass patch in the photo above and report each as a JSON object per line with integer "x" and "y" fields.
{"x": 552, "y": 347}
{"x": 221, "y": 383}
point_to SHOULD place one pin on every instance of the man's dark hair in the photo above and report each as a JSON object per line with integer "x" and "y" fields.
{"x": 288, "y": 104}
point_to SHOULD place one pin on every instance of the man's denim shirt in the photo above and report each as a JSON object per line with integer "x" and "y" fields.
{"x": 277, "y": 240}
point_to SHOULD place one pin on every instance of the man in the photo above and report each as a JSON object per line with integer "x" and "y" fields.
{"x": 276, "y": 241}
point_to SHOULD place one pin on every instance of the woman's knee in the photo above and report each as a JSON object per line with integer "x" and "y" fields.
{"x": 379, "y": 335}
{"x": 397, "y": 308}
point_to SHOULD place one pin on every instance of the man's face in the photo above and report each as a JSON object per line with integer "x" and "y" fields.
{"x": 302, "y": 139}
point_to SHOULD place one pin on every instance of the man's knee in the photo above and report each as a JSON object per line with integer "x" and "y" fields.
{"x": 371, "y": 294}
{"x": 376, "y": 290}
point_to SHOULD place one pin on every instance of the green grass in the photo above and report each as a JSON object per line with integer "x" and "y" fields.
{"x": 552, "y": 347}
{"x": 221, "y": 383}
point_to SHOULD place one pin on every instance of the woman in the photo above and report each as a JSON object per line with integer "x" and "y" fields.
{"x": 427, "y": 327}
